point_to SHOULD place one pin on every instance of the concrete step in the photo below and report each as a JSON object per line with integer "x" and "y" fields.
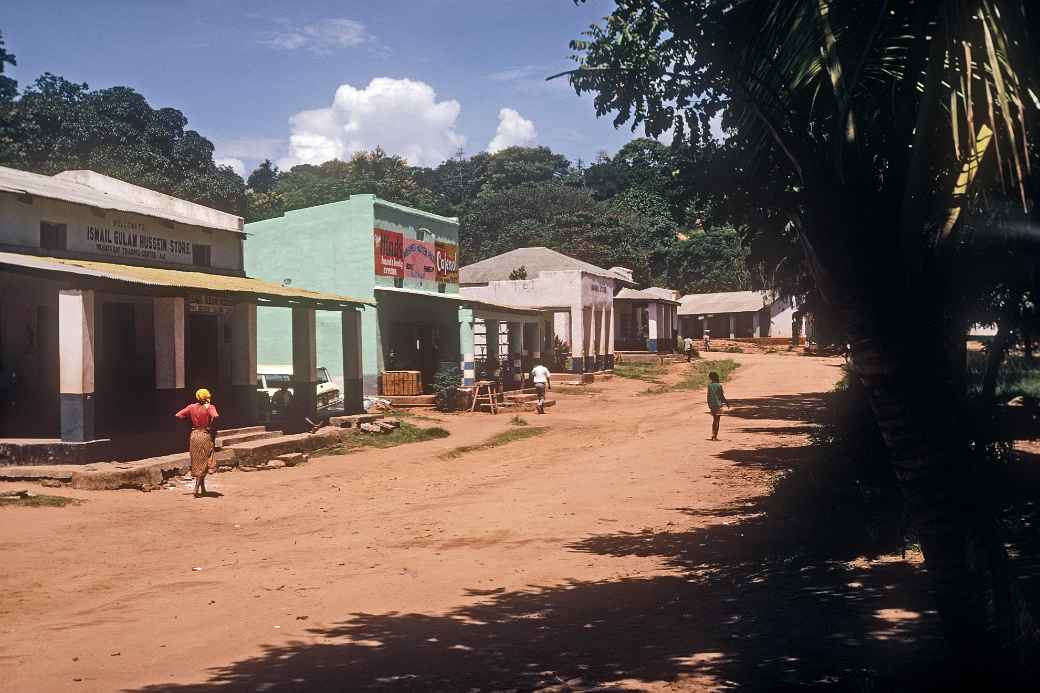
{"x": 225, "y": 440}
{"x": 223, "y": 433}
{"x": 521, "y": 397}
{"x": 412, "y": 400}
{"x": 257, "y": 452}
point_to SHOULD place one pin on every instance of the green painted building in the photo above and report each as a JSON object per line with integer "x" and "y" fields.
{"x": 403, "y": 258}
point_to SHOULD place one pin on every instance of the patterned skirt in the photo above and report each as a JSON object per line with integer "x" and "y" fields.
{"x": 200, "y": 445}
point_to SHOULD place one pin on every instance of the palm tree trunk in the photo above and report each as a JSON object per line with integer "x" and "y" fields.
{"x": 994, "y": 358}
{"x": 948, "y": 502}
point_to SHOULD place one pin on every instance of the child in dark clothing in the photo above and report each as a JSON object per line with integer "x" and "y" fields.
{"x": 716, "y": 400}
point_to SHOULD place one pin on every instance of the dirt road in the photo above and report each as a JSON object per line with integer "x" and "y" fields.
{"x": 619, "y": 549}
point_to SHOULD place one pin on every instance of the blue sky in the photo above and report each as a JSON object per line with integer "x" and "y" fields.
{"x": 259, "y": 78}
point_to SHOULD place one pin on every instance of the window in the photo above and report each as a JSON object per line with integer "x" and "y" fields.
{"x": 323, "y": 375}
{"x": 277, "y": 380}
{"x": 200, "y": 255}
{"x": 398, "y": 282}
{"x": 53, "y": 236}
{"x": 424, "y": 235}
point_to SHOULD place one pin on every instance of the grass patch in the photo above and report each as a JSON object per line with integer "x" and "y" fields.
{"x": 518, "y": 420}
{"x": 1016, "y": 377}
{"x": 649, "y": 372}
{"x": 407, "y": 433}
{"x": 38, "y": 501}
{"x": 733, "y": 350}
{"x": 696, "y": 376}
{"x": 409, "y": 414}
{"x": 497, "y": 440}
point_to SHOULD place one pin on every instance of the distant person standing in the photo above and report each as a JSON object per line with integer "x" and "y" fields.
{"x": 716, "y": 400}
{"x": 203, "y": 415}
{"x": 707, "y": 338}
{"x": 542, "y": 382}
{"x": 688, "y": 348}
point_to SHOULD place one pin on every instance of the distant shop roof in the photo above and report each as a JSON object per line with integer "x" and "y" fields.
{"x": 535, "y": 261}
{"x": 654, "y": 293}
{"x": 104, "y": 192}
{"x": 184, "y": 280}
{"x": 461, "y": 300}
{"x": 724, "y": 302}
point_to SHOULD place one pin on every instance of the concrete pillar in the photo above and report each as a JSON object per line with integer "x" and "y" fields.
{"x": 732, "y": 325}
{"x": 611, "y": 326}
{"x": 305, "y": 363}
{"x": 467, "y": 362}
{"x": 651, "y": 340}
{"x": 756, "y": 326}
{"x": 538, "y": 339}
{"x": 168, "y": 316}
{"x": 243, "y": 362}
{"x": 577, "y": 339}
{"x": 76, "y": 364}
{"x": 638, "y": 310}
{"x": 604, "y": 337}
{"x": 353, "y": 371}
{"x": 516, "y": 350}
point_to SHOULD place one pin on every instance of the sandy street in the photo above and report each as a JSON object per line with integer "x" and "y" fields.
{"x": 620, "y": 549}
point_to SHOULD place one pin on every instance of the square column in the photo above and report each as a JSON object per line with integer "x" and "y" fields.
{"x": 756, "y": 325}
{"x": 305, "y": 363}
{"x": 651, "y": 337}
{"x": 350, "y": 323}
{"x": 168, "y": 316}
{"x": 732, "y": 325}
{"x": 243, "y": 362}
{"x": 467, "y": 362}
{"x": 577, "y": 339}
{"x": 537, "y": 340}
{"x": 562, "y": 327}
{"x": 516, "y": 350}
{"x": 76, "y": 364}
{"x": 611, "y": 326}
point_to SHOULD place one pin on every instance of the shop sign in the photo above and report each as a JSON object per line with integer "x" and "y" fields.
{"x": 420, "y": 260}
{"x": 447, "y": 262}
{"x": 132, "y": 239}
{"x": 389, "y": 253}
{"x": 209, "y": 304}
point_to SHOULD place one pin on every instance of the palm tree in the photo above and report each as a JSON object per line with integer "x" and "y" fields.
{"x": 890, "y": 123}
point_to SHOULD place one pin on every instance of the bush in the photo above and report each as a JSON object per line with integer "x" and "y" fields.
{"x": 446, "y": 383}
{"x": 733, "y": 350}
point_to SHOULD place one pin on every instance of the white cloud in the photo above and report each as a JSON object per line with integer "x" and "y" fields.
{"x": 237, "y": 165}
{"x": 513, "y": 131}
{"x": 249, "y": 148}
{"x": 322, "y": 36}
{"x": 402, "y": 116}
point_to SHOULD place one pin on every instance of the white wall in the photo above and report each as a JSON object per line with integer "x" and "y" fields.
{"x": 131, "y": 238}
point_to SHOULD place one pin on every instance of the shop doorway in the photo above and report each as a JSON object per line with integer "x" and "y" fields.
{"x": 415, "y": 348}
{"x": 120, "y": 378}
{"x": 202, "y": 353}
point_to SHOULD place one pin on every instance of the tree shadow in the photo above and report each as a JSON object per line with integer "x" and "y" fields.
{"x": 800, "y": 408}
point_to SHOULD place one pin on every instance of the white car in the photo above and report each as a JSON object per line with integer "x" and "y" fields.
{"x": 276, "y": 381}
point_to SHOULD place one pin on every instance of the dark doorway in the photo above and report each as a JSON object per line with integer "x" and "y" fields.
{"x": 202, "y": 357}
{"x": 116, "y": 378}
{"x": 415, "y": 348}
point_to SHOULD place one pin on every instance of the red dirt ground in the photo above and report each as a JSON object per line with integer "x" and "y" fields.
{"x": 621, "y": 550}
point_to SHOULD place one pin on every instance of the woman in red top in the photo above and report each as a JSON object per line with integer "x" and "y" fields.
{"x": 200, "y": 443}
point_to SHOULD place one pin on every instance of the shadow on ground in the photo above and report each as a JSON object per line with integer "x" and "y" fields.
{"x": 752, "y": 601}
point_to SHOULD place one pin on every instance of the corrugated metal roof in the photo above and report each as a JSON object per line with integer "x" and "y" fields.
{"x": 460, "y": 299}
{"x": 180, "y": 279}
{"x": 653, "y": 293}
{"x": 68, "y": 187}
{"x": 534, "y": 260}
{"x": 724, "y": 302}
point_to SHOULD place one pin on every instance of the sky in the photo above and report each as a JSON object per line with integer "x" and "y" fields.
{"x": 305, "y": 81}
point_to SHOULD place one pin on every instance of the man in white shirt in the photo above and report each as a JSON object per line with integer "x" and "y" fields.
{"x": 688, "y": 348}
{"x": 540, "y": 377}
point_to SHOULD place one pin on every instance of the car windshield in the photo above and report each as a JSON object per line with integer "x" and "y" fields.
{"x": 323, "y": 375}
{"x": 278, "y": 380}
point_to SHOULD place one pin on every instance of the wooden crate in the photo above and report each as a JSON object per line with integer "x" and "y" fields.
{"x": 398, "y": 383}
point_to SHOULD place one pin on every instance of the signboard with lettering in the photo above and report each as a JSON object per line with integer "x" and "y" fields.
{"x": 419, "y": 260}
{"x": 447, "y": 262}
{"x": 209, "y": 304}
{"x": 389, "y": 253}
{"x": 133, "y": 240}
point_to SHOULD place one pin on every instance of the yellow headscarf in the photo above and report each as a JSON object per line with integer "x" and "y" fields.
{"x": 202, "y": 395}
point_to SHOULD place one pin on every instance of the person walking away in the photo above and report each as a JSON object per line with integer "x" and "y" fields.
{"x": 688, "y": 348}
{"x": 200, "y": 443}
{"x": 716, "y": 400}
{"x": 542, "y": 382}
{"x": 707, "y": 339}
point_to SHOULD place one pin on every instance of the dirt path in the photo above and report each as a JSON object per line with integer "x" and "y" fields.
{"x": 610, "y": 551}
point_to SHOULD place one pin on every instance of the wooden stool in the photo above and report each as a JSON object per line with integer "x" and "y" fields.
{"x": 489, "y": 399}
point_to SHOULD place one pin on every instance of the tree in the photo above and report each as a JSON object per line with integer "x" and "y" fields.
{"x": 263, "y": 178}
{"x": 518, "y": 274}
{"x": 56, "y": 125}
{"x": 515, "y": 166}
{"x": 706, "y": 262}
{"x": 8, "y": 92}
{"x": 883, "y": 123}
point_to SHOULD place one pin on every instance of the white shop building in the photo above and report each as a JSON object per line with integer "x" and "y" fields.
{"x": 739, "y": 315}
{"x": 117, "y": 302}
{"x": 579, "y": 295}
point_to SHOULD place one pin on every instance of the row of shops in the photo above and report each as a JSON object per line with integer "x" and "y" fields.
{"x": 117, "y": 302}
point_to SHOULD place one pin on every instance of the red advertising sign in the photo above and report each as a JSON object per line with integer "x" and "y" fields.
{"x": 447, "y": 263}
{"x": 420, "y": 261}
{"x": 389, "y": 253}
